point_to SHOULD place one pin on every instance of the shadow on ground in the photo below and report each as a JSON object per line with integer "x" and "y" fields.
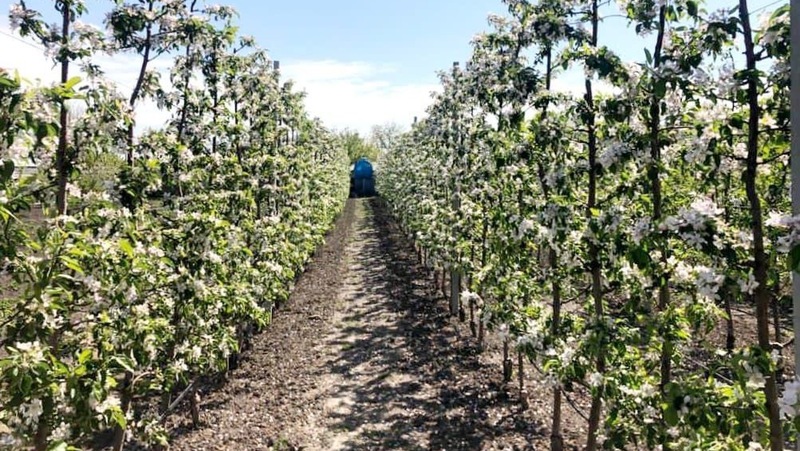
{"x": 413, "y": 382}
{"x": 363, "y": 356}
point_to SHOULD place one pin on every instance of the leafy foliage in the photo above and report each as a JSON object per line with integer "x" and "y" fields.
{"x": 606, "y": 233}
{"x": 357, "y": 147}
{"x": 161, "y": 266}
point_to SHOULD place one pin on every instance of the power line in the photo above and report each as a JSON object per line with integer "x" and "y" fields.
{"x": 43, "y": 50}
{"x": 17, "y": 38}
{"x": 766, "y": 6}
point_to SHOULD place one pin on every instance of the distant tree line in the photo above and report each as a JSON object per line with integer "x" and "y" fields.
{"x": 381, "y": 138}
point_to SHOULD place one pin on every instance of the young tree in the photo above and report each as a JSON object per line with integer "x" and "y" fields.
{"x": 385, "y": 137}
{"x": 356, "y": 146}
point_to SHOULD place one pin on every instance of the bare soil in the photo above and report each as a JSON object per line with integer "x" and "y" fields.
{"x": 365, "y": 356}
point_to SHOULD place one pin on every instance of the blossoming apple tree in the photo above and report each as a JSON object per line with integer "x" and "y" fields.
{"x": 122, "y": 300}
{"x": 608, "y": 230}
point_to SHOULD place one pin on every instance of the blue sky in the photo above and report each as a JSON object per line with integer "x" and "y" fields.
{"x": 361, "y": 62}
{"x": 417, "y": 36}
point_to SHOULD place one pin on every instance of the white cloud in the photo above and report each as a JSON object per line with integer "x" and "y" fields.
{"x": 354, "y": 94}
{"x": 344, "y": 94}
{"x": 573, "y": 82}
{"x": 27, "y": 57}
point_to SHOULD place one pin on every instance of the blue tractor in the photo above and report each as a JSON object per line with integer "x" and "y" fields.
{"x": 362, "y": 179}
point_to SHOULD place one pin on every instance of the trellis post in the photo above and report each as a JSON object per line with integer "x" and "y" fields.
{"x": 455, "y": 275}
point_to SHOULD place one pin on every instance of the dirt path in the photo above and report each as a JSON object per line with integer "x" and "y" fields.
{"x": 362, "y": 357}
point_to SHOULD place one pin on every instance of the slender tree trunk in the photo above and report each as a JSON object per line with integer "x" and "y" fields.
{"x": 40, "y": 440}
{"x": 125, "y": 404}
{"x": 776, "y": 311}
{"x": 185, "y": 107}
{"x": 215, "y": 104}
{"x": 137, "y": 89}
{"x": 521, "y": 377}
{"x": 760, "y": 261}
{"x": 194, "y": 406}
{"x": 556, "y": 437}
{"x": 62, "y": 163}
{"x": 507, "y": 365}
{"x": 484, "y": 250}
{"x": 730, "y": 338}
{"x": 43, "y": 429}
{"x": 594, "y": 251}
{"x": 655, "y": 186}
{"x": 662, "y": 278}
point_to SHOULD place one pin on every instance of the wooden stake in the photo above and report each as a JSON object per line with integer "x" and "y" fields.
{"x": 508, "y": 367}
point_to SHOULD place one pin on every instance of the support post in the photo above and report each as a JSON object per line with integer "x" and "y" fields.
{"x": 455, "y": 274}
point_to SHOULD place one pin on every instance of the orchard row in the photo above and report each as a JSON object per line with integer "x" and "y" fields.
{"x": 157, "y": 255}
{"x": 610, "y": 230}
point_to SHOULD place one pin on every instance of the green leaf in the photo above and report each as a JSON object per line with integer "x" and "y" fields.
{"x": 794, "y": 259}
{"x": 126, "y": 247}
{"x": 691, "y": 7}
{"x": 671, "y": 415}
{"x": 84, "y": 356}
{"x": 58, "y": 446}
{"x": 123, "y": 362}
{"x": 640, "y": 257}
{"x": 660, "y": 88}
{"x": 649, "y": 56}
{"x": 72, "y": 264}
{"x": 45, "y": 130}
{"x": 6, "y": 171}
{"x": 80, "y": 371}
{"x": 119, "y": 418}
{"x": 6, "y": 81}
{"x": 737, "y": 121}
{"x": 72, "y": 82}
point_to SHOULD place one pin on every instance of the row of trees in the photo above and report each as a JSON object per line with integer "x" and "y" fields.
{"x": 607, "y": 235}
{"x": 381, "y": 138}
{"x": 137, "y": 286}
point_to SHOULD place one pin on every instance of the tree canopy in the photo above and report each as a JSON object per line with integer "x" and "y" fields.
{"x": 357, "y": 147}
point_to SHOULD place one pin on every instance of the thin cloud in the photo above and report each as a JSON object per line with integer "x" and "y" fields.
{"x": 343, "y": 94}
{"x": 357, "y": 94}
{"x": 27, "y": 57}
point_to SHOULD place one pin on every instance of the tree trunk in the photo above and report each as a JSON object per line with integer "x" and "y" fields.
{"x": 655, "y": 186}
{"x": 125, "y": 403}
{"x": 760, "y": 261}
{"x": 730, "y": 339}
{"x": 140, "y": 81}
{"x": 62, "y": 161}
{"x": 594, "y": 251}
